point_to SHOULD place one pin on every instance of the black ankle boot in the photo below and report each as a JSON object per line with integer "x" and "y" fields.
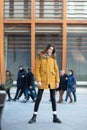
{"x": 33, "y": 119}
{"x": 55, "y": 119}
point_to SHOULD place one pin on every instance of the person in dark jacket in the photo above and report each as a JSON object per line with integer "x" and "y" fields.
{"x": 20, "y": 83}
{"x": 63, "y": 86}
{"x": 30, "y": 90}
{"x": 71, "y": 88}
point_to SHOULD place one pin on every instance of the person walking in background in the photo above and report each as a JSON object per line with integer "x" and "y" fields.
{"x": 63, "y": 86}
{"x": 29, "y": 89}
{"x": 8, "y": 84}
{"x": 71, "y": 88}
{"x": 20, "y": 83}
{"x": 47, "y": 76}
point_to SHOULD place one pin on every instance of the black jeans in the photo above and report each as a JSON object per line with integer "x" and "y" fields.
{"x": 39, "y": 97}
{"x": 8, "y": 93}
{"x": 19, "y": 92}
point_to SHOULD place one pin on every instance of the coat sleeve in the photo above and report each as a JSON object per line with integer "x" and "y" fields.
{"x": 74, "y": 80}
{"x": 37, "y": 70}
{"x": 57, "y": 79}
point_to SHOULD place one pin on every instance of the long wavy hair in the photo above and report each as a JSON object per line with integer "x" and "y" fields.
{"x": 48, "y": 47}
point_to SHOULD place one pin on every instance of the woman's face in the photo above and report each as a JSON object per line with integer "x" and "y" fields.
{"x": 7, "y": 73}
{"x": 70, "y": 73}
{"x": 20, "y": 68}
{"x": 62, "y": 72}
{"x": 50, "y": 50}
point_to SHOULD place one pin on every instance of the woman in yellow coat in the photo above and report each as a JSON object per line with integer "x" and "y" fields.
{"x": 47, "y": 76}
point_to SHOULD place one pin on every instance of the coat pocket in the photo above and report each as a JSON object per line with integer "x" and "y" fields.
{"x": 53, "y": 73}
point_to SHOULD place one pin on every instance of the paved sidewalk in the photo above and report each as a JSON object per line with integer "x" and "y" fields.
{"x": 73, "y": 116}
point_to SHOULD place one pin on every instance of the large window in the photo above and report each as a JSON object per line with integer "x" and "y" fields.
{"x": 46, "y": 34}
{"x": 17, "y": 9}
{"x": 48, "y": 9}
{"x": 17, "y": 47}
{"x": 77, "y": 9}
{"x": 77, "y": 51}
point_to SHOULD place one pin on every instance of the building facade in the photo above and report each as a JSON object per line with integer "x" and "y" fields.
{"x": 27, "y": 26}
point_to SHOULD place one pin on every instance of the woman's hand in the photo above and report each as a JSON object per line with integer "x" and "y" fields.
{"x": 57, "y": 85}
{"x": 39, "y": 84}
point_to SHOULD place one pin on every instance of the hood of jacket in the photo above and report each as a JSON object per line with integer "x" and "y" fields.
{"x": 42, "y": 55}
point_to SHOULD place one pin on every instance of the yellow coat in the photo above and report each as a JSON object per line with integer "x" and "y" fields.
{"x": 46, "y": 71}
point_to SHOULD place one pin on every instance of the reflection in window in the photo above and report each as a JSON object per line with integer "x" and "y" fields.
{"x": 49, "y": 9}
{"x": 41, "y": 9}
{"x": 11, "y": 8}
{"x": 17, "y": 9}
{"x": 17, "y": 47}
{"x": 47, "y": 34}
{"x": 27, "y": 8}
{"x": 76, "y": 9}
{"x": 77, "y": 51}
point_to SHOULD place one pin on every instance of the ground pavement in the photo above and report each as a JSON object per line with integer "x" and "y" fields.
{"x": 73, "y": 116}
